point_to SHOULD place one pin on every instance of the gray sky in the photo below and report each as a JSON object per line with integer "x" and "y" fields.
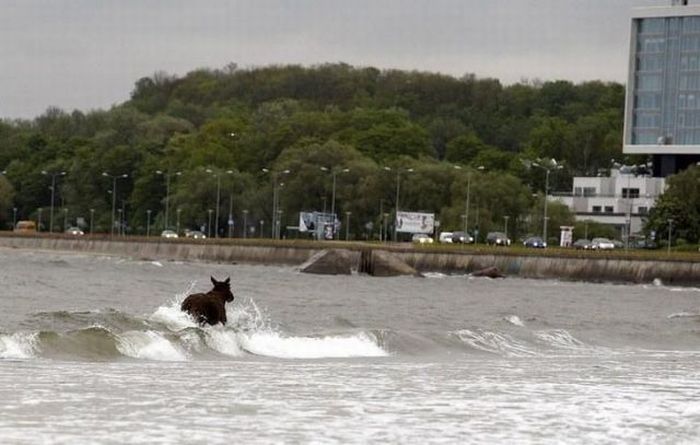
{"x": 88, "y": 54}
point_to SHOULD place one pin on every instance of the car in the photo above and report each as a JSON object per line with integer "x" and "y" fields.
{"x": 445, "y": 237}
{"x": 74, "y": 231}
{"x": 462, "y": 238}
{"x": 602, "y": 244}
{"x": 497, "y": 239}
{"x": 421, "y": 238}
{"x": 583, "y": 243}
{"x": 643, "y": 244}
{"x": 535, "y": 242}
{"x": 168, "y": 234}
{"x": 195, "y": 234}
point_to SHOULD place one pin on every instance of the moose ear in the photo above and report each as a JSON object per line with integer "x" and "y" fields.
{"x": 228, "y": 280}
{"x": 213, "y": 281}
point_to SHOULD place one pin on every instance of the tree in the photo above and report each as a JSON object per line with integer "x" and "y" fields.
{"x": 680, "y": 203}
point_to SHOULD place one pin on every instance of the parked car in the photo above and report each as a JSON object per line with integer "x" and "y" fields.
{"x": 535, "y": 242}
{"x": 421, "y": 238}
{"x": 643, "y": 244}
{"x": 168, "y": 234}
{"x": 25, "y": 227}
{"x": 583, "y": 243}
{"x": 195, "y": 234}
{"x": 602, "y": 244}
{"x": 445, "y": 237}
{"x": 74, "y": 231}
{"x": 497, "y": 239}
{"x": 462, "y": 238}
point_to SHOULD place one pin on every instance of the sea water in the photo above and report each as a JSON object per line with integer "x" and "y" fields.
{"x": 94, "y": 349}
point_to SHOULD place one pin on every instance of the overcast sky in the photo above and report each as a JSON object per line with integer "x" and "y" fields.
{"x": 87, "y": 54}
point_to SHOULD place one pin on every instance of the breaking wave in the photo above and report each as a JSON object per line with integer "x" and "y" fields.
{"x": 168, "y": 334}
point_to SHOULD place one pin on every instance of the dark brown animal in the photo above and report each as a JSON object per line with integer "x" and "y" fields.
{"x": 210, "y": 307}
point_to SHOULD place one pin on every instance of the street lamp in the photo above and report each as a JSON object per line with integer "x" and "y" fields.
{"x": 148, "y": 222}
{"x": 481, "y": 168}
{"x": 65, "y": 219}
{"x": 177, "y": 227}
{"x": 398, "y": 188}
{"x": 275, "y": 200}
{"x": 245, "y": 224}
{"x": 551, "y": 165}
{"x": 92, "y": 220}
{"x": 38, "y": 222}
{"x": 114, "y": 193}
{"x": 167, "y": 193}
{"x": 53, "y": 193}
{"x": 14, "y": 217}
{"x": 334, "y": 174}
{"x": 505, "y": 228}
{"x": 347, "y": 225}
{"x": 670, "y": 225}
{"x": 209, "y": 224}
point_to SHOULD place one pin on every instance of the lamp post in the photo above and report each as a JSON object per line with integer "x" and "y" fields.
{"x": 245, "y": 224}
{"x": 38, "y": 222}
{"x": 552, "y": 165}
{"x": 334, "y": 174}
{"x": 148, "y": 223}
{"x": 398, "y": 188}
{"x": 14, "y": 217}
{"x": 53, "y": 193}
{"x": 167, "y": 194}
{"x": 65, "y": 219}
{"x": 275, "y": 200}
{"x": 466, "y": 204}
{"x": 177, "y": 227}
{"x": 209, "y": 223}
{"x": 262, "y": 226}
{"x": 670, "y": 225}
{"x": 505, "y": 228}
{"x": 92, "y": 220}
{"x": 347, "y": 225}
{"x": 120, "y": 220}
{"x": 114, "y": 194}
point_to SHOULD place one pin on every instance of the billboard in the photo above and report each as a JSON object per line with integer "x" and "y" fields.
{"x": 414, "y": 222}
{"x": 318, "y": 223}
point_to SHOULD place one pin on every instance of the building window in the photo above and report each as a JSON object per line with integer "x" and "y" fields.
{"x": 642, "y": 210}
{"x": 589, "y": 191}
{"x": 578, "y": 191}
{"x": 630, "y": 193}
{"x": 609, "y": 209}
{"x": 596, "y": 209}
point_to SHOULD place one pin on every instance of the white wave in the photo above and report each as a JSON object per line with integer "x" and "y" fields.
{"x": 434, "y": 275}
{"x": 494, "y": 342}
{"x": 272, "y": 344}
{"x": 684, "y": 315}
{"x": 657, "y": 282}
{"x": 224, "y": 341}
{"x": 171, "y": 315}
{"x": 156, "y": 263}
{"x": 514, "y": 320}
{"x": 560, "y": 338}
{"x": 149, "y": 345}
{"x": 19, "y": 345}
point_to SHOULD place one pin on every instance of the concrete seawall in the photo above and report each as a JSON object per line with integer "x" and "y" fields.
{"x": 679, "y": 272}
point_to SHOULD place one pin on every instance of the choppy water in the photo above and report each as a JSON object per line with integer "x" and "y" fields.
{"x": 95, "y": 350}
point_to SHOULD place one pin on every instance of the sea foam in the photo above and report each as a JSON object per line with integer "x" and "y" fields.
{"x": 18, "y": 346}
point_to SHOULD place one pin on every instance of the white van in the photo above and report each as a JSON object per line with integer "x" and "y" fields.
{"x": 446, "y": 237}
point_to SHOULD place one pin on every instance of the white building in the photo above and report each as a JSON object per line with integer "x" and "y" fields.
{"x": 622, "y": 199}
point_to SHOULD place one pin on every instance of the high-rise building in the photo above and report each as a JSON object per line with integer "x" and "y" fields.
{"x": 662, "y": 113}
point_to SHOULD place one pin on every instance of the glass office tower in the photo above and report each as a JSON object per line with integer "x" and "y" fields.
{"x": 663, "y": 96}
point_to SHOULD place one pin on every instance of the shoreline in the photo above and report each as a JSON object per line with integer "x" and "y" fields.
{"x": 622, "y": 267}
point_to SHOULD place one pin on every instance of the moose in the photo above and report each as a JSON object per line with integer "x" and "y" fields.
{"x": 210, "y": 307}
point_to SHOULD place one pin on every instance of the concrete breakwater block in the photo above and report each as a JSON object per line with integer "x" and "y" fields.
{"x": 331, "y": 262}
{"x": 385, "y": 264}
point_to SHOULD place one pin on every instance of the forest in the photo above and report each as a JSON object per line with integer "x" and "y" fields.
{"x": 245, "y": 137}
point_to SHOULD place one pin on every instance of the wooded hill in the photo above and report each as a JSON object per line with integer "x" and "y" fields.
{"x": 235, "y": 122}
